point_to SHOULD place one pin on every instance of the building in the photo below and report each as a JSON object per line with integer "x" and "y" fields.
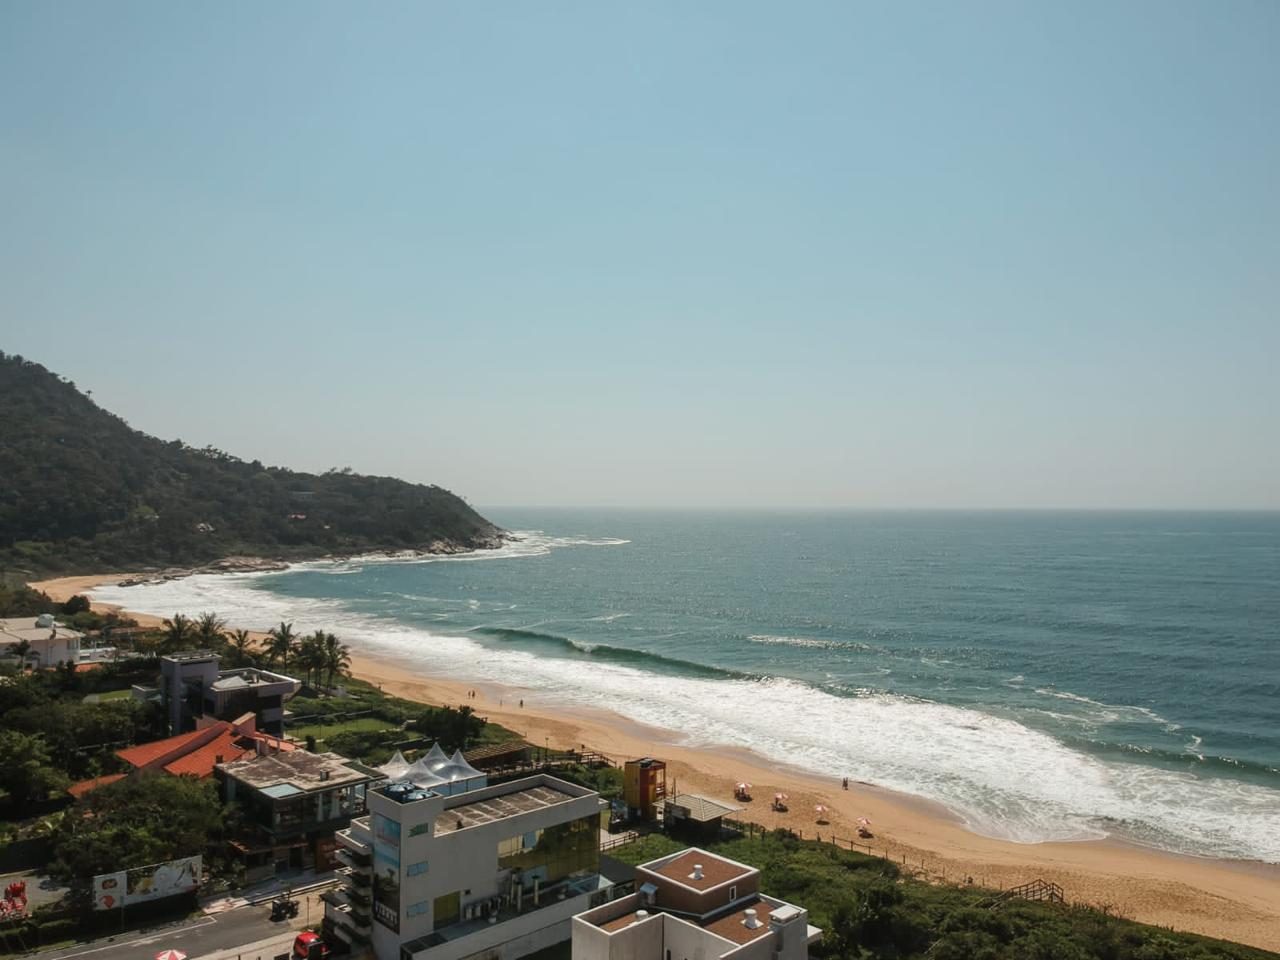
{"x": 294, "y": 801}
{"x": 694, "y": 816}
{"x": 694, "y": 905}
{"x": 191, "y": 685}
{"x": 48, "y": 643}
{"x": 192, "y": 754}
{"x": 644, "y": 785}
{"x": 495, "y": 871}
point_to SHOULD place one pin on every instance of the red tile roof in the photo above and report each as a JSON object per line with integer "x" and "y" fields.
{"x": 78, "y": 790}
{"x": 201, "y": 761}
{"x": 148, "y": 753}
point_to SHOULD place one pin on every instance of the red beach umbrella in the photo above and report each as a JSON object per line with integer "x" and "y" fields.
{"x": 171, "y": 955}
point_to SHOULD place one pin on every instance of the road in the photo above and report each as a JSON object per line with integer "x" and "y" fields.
{"x": 247, "y": 932}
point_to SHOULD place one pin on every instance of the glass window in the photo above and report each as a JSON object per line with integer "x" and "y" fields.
{"x": 420, "y": 829}
{"x": 446, "y": 910}
{"x": 416, "y": 869}
{"x": 417, "y": 909}
{"x": 564, "y": 850}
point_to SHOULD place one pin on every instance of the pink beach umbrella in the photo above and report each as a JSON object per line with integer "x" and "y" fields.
{"x": 171, "y": 955}
{"x": 864, "y": 822}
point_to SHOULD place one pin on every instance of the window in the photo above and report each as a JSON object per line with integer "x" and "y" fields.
{"x": 416, "y": 869}
{"x": 551, "y": 854}
{"x": 420, "y": 829}
{"x": 446, "y": 910}
{"x": 733, "y": 892}
{"x": 417, "y": 909}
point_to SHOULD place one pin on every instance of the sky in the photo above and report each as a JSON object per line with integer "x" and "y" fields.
{"x": 734, "y": 254}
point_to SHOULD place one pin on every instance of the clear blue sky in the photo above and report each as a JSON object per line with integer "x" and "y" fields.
{"x": 854, "y": 254}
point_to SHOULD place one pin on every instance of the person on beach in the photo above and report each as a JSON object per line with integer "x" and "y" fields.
{"x": 845, "y": 783}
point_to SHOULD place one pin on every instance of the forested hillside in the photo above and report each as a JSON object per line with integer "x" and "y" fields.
{"x": 81, "y": 490}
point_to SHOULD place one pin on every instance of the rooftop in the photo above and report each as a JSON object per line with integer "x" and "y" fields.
{"x": 190, "y": 656}
{"x": 715, "y": 870}
{"x": 298, "y": 771}
{"x": 247, "y": 677}
{"x": 734, "y": 926}
{"x": 17, "y": 629}
{"x": 702, "y": 809}
{"x": 507, "y": 805}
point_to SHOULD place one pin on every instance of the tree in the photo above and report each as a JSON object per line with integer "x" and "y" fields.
{"x": 76, "y": 604}
{"x": 178, "y": 634}
{"x": 240, "y": 648}
{"x": 210, "y": 630}
{"x": 27, "y": 774}
{"x": 337, "y": 658}
{"x": 311, "y": 656}
{"x": 143, "y": 819}
{"x": 280, "y": 645}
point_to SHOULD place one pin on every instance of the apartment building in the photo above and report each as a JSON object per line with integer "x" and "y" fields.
{"x": 497, "y": 871}
{"x": 694, "y": 905}
{"x": 192, "y": 685}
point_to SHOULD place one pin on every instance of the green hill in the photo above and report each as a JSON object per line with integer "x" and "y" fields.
{"x": 80, "y": 490}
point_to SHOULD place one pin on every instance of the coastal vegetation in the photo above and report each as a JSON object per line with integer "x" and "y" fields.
{"x": 80, "y": 490}
{"x": 868, "y": 908}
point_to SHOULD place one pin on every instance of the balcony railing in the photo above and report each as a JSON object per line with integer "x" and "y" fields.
{"x": 553, "y": 895}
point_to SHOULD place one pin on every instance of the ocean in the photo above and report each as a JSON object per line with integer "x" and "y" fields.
{"x": 1045, "y": 676}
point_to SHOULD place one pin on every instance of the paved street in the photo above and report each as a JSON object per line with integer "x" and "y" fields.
{"x": 246, "y": 933}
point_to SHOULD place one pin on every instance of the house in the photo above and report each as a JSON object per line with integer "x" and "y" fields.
{"x": 191, "y": 685}
{"x": 293, "y": 803}
{"x": 192, "y": 754}
{"x": 493, "y": 871}
{"x": 48, "y": 643}
{"x": 694, "y": 905}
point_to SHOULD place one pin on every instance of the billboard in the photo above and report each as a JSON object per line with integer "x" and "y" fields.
{"x": 386, "y": 872}
{"x": 141, "y": 884}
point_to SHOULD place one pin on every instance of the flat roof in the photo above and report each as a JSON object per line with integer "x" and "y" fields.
{"x": 626, "y": 920}
{"x": 24, "y": 628}
{"x": 305, "y": 771}
{"x": 701, "y": 809}
{"x": 715, "y": 870}
{"x": 733, "y": 927}
{"x": 502, "y": 807}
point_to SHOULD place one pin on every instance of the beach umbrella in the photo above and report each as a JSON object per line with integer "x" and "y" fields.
{"x": 864, "y": 822}
{"x": 171, "y": 955}
{"x": 819, "y": 809}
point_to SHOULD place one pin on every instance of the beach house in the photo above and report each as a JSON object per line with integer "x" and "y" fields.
{"x": 39, "y": 642}
{"x": 694, "y": 905}
{"x": 294, "y": 801}
{"x": 192, "y": 685}
{"x": 492, "y": 871}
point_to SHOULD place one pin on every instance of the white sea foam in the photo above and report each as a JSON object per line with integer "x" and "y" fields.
{"x": 1004, "y": 779}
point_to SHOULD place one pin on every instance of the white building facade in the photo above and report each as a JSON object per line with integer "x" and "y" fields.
{"x": 694, "y": 905}
{"x": 495, "y": 872}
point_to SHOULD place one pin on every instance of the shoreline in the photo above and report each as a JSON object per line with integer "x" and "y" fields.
{"x": 1229, "y": 899}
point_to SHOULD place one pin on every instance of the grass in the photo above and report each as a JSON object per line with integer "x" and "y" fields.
{"x": 322, "y": 731}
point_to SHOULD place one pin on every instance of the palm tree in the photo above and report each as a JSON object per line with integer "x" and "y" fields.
{"x": 280, "y": 646}
{"x": 211, "y": 631}
{"x": 337, "y": 657}
{"x": 311, "y": 656}
{"x": 178, "y": 631}
{"x": 240, "y": 648}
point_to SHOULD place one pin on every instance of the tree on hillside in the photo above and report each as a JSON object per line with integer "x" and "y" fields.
{"x": 337, "y": 658}
{"x": 178, "y": 634}
{"x": 280, "y": 645}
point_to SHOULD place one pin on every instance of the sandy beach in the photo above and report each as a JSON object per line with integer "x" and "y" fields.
{"x": 1233, "y": 900}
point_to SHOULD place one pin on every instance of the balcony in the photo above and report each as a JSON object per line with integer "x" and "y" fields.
{"x": 355, "y": 876}
{"x": 342, "y": 910}
{"x": 555, "y": 895}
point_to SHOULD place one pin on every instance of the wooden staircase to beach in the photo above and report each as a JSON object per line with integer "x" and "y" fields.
{"x": 1032, "y": 890}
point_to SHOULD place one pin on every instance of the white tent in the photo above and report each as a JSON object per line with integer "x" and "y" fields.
{"x": 396, "y": 767}
{"x": 435, "y": 757}
{"x": 460, "y": 775}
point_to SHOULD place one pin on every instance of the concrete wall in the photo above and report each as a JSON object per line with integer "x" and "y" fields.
{"x": 688, "y": 941}
{"x": 514, "y": 938}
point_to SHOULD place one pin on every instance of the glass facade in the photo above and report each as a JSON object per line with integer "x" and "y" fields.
{"x": 445, "y": 910}
{"x": 565, "y": 850}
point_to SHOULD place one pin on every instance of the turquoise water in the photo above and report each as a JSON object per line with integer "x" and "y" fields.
{"x": 1044, "y": 675}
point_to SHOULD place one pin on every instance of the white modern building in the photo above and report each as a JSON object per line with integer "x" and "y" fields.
{"x": 694, "y": 905}
{"x": 48, "y": 643}
{"x": 492, "y": 871}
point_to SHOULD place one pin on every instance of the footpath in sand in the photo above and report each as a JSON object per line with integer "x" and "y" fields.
{"x": 1233, "y": 900}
